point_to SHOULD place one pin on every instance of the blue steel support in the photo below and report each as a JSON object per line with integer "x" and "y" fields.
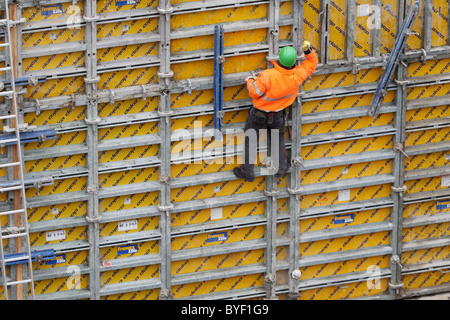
{"x": 26, "y": 137}
{"x": 394, "y": 57}
{"x": 218, "y": 81}
{"x": 40, "y": 255}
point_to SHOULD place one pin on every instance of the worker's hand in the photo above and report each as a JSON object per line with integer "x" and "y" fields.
{"x": 306, "y": 46}
{"x": 251, "y": 77}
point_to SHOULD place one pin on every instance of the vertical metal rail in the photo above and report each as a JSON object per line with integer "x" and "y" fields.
{"x": 350, "y": 30}
{"x": 92, "y": 120}
{"x": 294, "y": 188}
{"x": 164, "y": 112}
{"x": 376, "y": 30}
{"x": 271, "y": 190}
{"x": 218, "y": 81}
{"x": 324, "y": 22}
{"x": 398, "y": 171}
{"x": 427, "y": 25}
{"x": 19, "y": 214}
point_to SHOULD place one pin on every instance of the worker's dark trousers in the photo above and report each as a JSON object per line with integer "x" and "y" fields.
{"x": 256, "y": 121}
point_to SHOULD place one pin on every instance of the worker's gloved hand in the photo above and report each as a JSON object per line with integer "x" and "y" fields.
{"x": 251, "y": 77}
{"x": 306, "y": 47}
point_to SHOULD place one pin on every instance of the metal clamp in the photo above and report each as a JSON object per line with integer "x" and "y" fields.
{"x": 166, "y": 207}
{"x": 92, "y": 189}
{"x": 270, "y": 278}
{"x": 356, "y": 68}
{"x": 94, "y": 121}
{"x": 91, "y": 19}
{"x": 298, "y": 161}
{"x": 165, "y": 74}
{"x": 423, "y": 57}
{"x": 164, "y": 178}
{"x": 400, "y": 189}
{"x": 294, "y": 191}
{"x": 399, "y": 147}
{"x": 93, "y": 219}
{"x": 187, "y": 87}
{"x": 144, "y": 93}
{"x": 38, "y": 107}
{"x": 111, "y": 97}
{"x": 272, "y": 193}
{"x": 92, "y": 80}
{"x": 395, "y": 259}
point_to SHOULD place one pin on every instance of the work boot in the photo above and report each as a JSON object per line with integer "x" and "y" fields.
{"x": 242, "y": 174}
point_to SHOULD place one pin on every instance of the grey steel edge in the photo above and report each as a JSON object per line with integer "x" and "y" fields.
{"x": 410, "y": 293}
{"x": 77, "y": 294}
{"x": 434, "y": 265}
{"x": 425, "y": 244}
{"x": 440, "y": 194}
{"x": 426, "y": 220}
{"x": 130, "y": 286}
{"x": 427, "y": 173}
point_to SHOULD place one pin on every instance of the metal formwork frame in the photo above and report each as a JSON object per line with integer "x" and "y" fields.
{"x": 163, "y": 91}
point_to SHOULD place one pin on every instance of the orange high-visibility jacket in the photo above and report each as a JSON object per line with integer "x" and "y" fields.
{"x": 276, "y": 88}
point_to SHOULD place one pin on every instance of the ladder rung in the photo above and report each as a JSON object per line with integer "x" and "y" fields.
{"x": 9, "y": 140}
{"x": 6, "y": 93}
{"x": 13, "y": 283}
{"x": 6, "y": 44}
{"x": 25, "y": 258}
{"x": 10, "y": 188}
{"x": 9, "y": 116}
{"x": 15, "y": 235}
{"x": 11, "y": 164}
{"x": 12, "y": 212}
{"x": 5, "y": 69}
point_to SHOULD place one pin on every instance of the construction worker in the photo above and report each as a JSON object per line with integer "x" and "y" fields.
{"x": 272, "y": 92}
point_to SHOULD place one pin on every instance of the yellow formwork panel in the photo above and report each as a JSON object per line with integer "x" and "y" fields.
{"x": 205, "y": 68}
{"x": 124, "y": 107}
{"x": 36, "y": 64}
{"x": 130, "y": 130}
{"x": 203, "y": 18}
{"x": 344, "y": 196}
{"x": 427, "y": 184}
{"x": 216, "y": 214}
{"x": 337, "y": 29}
{"x": 427, "y": 113}
{"x": 425, "y": 255}
{"x": 363, "y": 30}
{"x": 105, "y": 6}
{"x": 127, "y": 78}
{"x": 127, "y": 52}
{"x": 73, "y": 282}
{"x": 152, "y": 294}
{"x": 429, "y": 67}
{"x": 439, "y": 20}
{"x": 128, "y": 226}
{"x": 128, "y": 153}
{"x": 129, "y": 274}
{"x": 203, "y": 97}
{"x": 426, "y": 136}
{"x": 346, "y": 147}
{"x": 217, "y": 238}
{"x": 372, "y": 239}
{"x": 344, "y": 267}
{"x": 347, "y": 124}
{"x": 129, "y": 250}
{"x": 58, "y": 236}
{"x": 425, "y": 279}
{"x": 346, "y": 172}
{"x": 218, "y": 189}
{"x": 132, "y": 201}
{"x": 389, "y": 20}
{"x": 215, "y": 262}
{"x": 429, "y": 160}
{"x": 414, "y": 41}
{"x": 426, "y": 232}
{"x": 218, "y": 285}
{"x": 62, "y": 139}
{"x": 61, "y": 115}
{"x": 199, "y": 121}
{"x": 426, "y": 208}
{"x": 345, "y": 220}
{"x": 57, "y": 211}
{"x": 311, "y": 10}
{"x": 127, "y": 177}
{"x": 62, "y": 12}
{"x": 333, "y": 80}
{"x": 55, "y": 163}
{"x": 56, "y": 88}
{"x": 347, "y": 291}
{"x": 60, "y": 186}
{"x": 63, "y": 260}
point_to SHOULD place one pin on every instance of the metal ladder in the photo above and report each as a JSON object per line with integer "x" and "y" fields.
{"x": 13, "y": 233}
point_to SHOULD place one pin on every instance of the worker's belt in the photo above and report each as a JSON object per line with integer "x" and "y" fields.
{"x": 266, "y": 114}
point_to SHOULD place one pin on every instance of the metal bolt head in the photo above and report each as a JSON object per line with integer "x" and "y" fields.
{"x": 296, "y": 274}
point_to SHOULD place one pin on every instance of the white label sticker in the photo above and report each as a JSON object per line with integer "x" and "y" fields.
{"x": 445, "y": 181}
{"x": 363, "y": 10}
{"x": 55, "y": 235}
{"x": 345, "y": 171}
{"x": 127, "y": 225}
{"x": 55, "y": 210}
{"x": 344, "y": 195}
{"x": 127, "y": 201}
{"x": 216, "y": 213}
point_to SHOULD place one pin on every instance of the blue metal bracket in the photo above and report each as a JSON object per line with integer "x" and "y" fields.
{"x": 219, "y": 60}
{"x": 36, "y": 256}
{"x": 394, "y": 57}
{"x": 32, "y": 81}
{"x": 26, "y": 137}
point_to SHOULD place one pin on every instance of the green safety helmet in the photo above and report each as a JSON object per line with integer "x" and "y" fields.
{"x": 288, "y": 56}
